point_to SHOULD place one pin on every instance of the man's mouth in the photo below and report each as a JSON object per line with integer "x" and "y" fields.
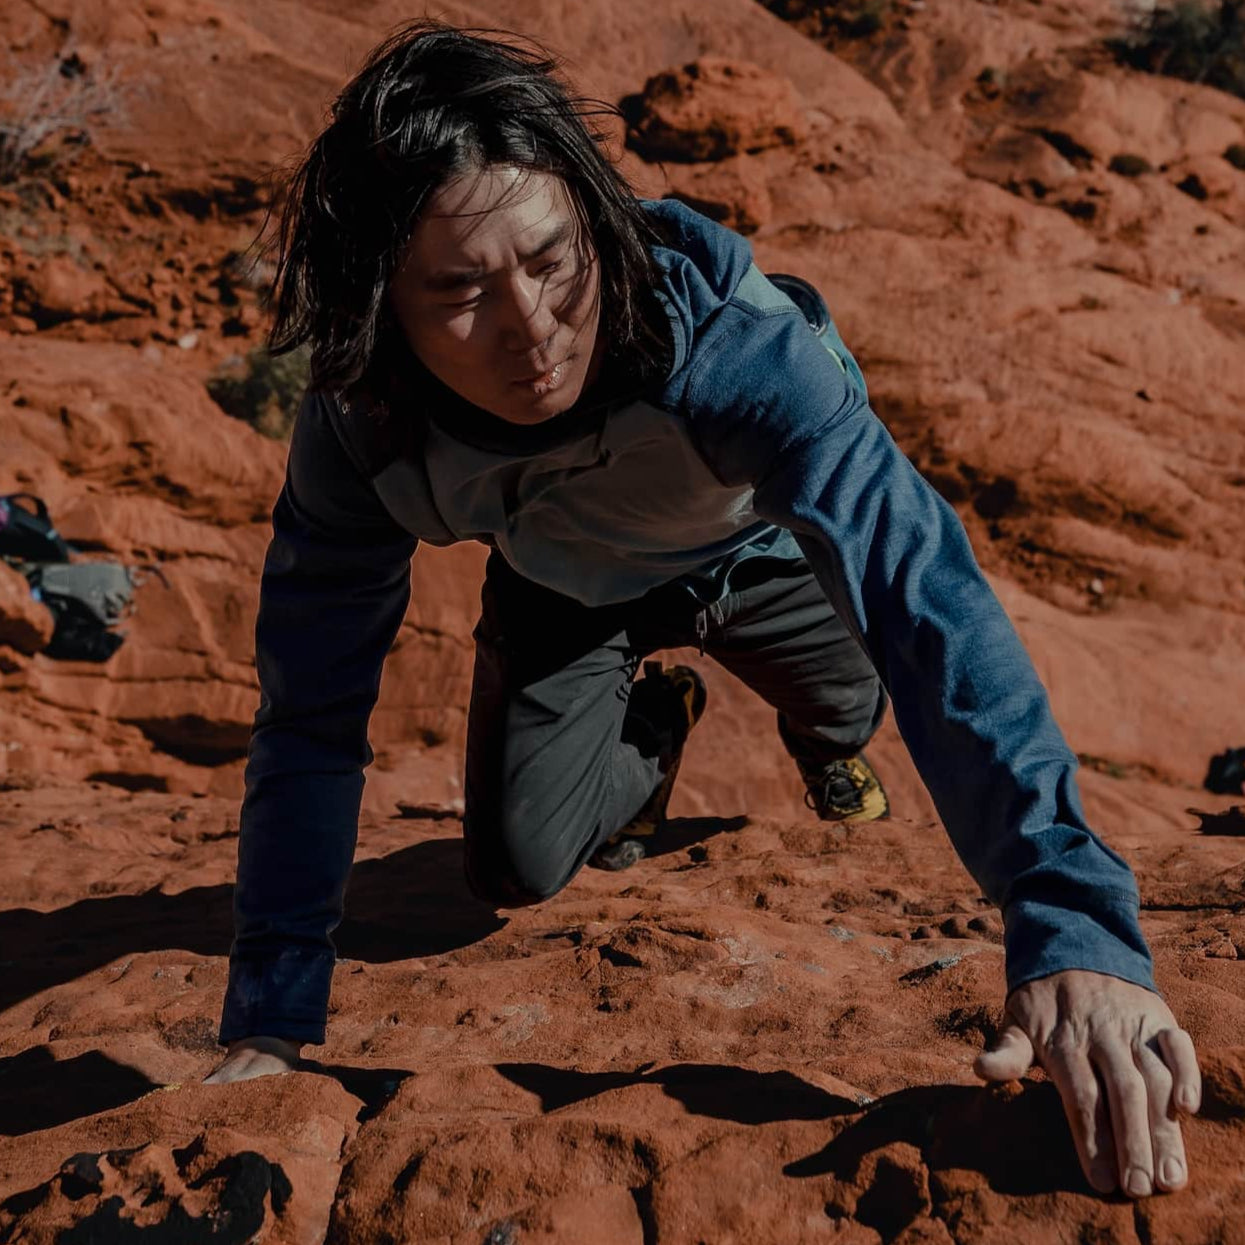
{"x": 546, "y": 382}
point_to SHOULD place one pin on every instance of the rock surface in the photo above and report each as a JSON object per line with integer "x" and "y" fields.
{"x": 26, "y": 625}
{"x": 714, "y": 108}
{"x": 765, "y": 1033}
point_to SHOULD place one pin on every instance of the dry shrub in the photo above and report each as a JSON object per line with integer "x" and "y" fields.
{"x": 263, "y": 389}
{"x": 47, "y": 108}
{"x": 1197, "y": 40}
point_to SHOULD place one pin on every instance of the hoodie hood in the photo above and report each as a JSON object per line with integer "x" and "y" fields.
{"x": 703, "y": 264}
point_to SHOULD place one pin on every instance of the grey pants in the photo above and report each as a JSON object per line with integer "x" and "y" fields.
{"x": 563, "y": 749}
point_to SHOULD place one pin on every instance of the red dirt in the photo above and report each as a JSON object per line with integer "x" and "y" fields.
{"x": 690, "y": 1052}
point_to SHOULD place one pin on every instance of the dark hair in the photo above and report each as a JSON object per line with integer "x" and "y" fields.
{"x": 434, "y": 101}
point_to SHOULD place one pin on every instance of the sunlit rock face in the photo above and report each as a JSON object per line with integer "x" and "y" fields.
{"x": 765, "y": 1032}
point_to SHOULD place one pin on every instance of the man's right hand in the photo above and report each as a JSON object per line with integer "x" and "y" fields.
{"x": 255, "y": 1056}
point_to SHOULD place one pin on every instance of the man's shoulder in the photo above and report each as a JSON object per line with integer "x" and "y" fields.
{"x": 372, "y": 432}
{"x": 756, "y": 342}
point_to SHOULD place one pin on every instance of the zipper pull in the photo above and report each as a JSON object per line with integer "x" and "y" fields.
{"x": 702, "y": 629}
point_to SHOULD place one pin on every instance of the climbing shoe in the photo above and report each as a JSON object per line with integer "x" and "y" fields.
{"x": 845, "y": 791}
{"x": 688, "y": 695}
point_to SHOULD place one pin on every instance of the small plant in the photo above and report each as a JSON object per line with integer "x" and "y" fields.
{"x": 1197, "y": 40}
{"x": 54, "y": 101}
{"x": 867, "y": 20}
{"x": 1126, "y": 164}
{"x": 263, "y": 389}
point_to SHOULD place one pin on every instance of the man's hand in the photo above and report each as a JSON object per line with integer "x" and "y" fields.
{"x": 1124, "y": 1069}
{"x": 255, "y": 1056}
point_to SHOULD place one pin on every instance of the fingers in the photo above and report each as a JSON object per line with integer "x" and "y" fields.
{"x": 1170, "y": 1165}
{"x": 1124, "y": 1069}
{"x": 1089, "y": 1117}
{"x": 1128, "y": 1093}
{"x": 1010, "y": 1057}
{"x": 1178, "y": 1053}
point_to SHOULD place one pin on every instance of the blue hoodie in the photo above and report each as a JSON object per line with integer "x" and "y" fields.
{"x": 760, "y": 442}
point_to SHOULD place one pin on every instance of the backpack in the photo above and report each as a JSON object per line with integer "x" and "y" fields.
{"x": 87, "y": 599}
{"x": 29, "y": 535}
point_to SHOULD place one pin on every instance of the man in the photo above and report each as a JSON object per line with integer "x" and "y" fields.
{"x": 508, "y": 347}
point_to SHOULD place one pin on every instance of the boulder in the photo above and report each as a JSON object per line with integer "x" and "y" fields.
{"x": 734, "y": 192}
{"x": 62, "y": 289}
{"x": 714, "y": 108}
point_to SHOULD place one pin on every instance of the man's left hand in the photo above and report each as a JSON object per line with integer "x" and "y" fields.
{"x": 1123, "y": 1067}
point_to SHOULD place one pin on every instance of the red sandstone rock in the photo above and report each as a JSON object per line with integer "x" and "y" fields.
{"x": 11, "y": 660}
{"x": 189, "y": 1161}
{"x": 25, "y": 624}
{"x": 733, "y": 191}
{"x": 688, "y": 1051}
{"x": 713, "y": 108}
{"x": 60, "y": 288}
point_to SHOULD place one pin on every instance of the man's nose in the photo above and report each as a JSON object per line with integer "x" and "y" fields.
{"x": 529, "y": 318}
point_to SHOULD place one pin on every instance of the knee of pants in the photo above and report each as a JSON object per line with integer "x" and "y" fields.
{"x": 507, "y": 878}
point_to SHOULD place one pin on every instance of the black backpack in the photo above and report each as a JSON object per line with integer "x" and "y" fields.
{"x": 27, "y": 535}
{"x": 88, "y": 600}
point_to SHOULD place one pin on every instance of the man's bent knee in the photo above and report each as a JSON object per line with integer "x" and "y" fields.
{"x": 496, "y": 877}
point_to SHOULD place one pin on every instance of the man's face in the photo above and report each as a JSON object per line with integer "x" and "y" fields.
{"x": 498, "y": 294}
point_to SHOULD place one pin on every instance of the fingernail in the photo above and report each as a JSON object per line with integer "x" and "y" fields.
{"x": 1173, "y": 1172}
{"x": 1138, "y": 1182}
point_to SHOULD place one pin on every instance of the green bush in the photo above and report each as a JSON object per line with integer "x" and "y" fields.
{"x": 1197, "y": 40}
{"x": 1126, "y": 164}
{"x": 263, "y": 389}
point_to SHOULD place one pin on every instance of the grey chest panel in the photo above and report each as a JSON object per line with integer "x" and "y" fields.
{"x": 602, "y": 518}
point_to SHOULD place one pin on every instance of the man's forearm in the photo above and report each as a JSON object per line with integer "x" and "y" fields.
{"x": 296, "y": 845}
{"x": 335, "y": 589}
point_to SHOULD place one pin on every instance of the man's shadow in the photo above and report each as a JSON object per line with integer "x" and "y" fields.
{"x": 1019, "y": 1141}
{"x": 407, "y": 905}
{"x": 413, "y": 902}
{"x": 721, "y": 1091}
{"x": 681, "y": 834}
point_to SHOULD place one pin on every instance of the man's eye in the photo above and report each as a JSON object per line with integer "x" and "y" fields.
{"x": 550, "y": 268}
{"x": 470, "y": 302}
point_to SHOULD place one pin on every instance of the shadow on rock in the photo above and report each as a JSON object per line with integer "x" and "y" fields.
{"x": 375, "y": 1086}
{"x": 131, "y": 1197}
{"x": 38, "y": 1091}
{"x": 412, "y": 903}
{"x": 721, "y": 1091}
{"x": 680, "y": 833}
{"x": 1016, "y": 1137}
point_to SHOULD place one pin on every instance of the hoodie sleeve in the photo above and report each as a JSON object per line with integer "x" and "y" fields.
{"x": 771, "y": 405}
{"x": 335, "y": 586}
